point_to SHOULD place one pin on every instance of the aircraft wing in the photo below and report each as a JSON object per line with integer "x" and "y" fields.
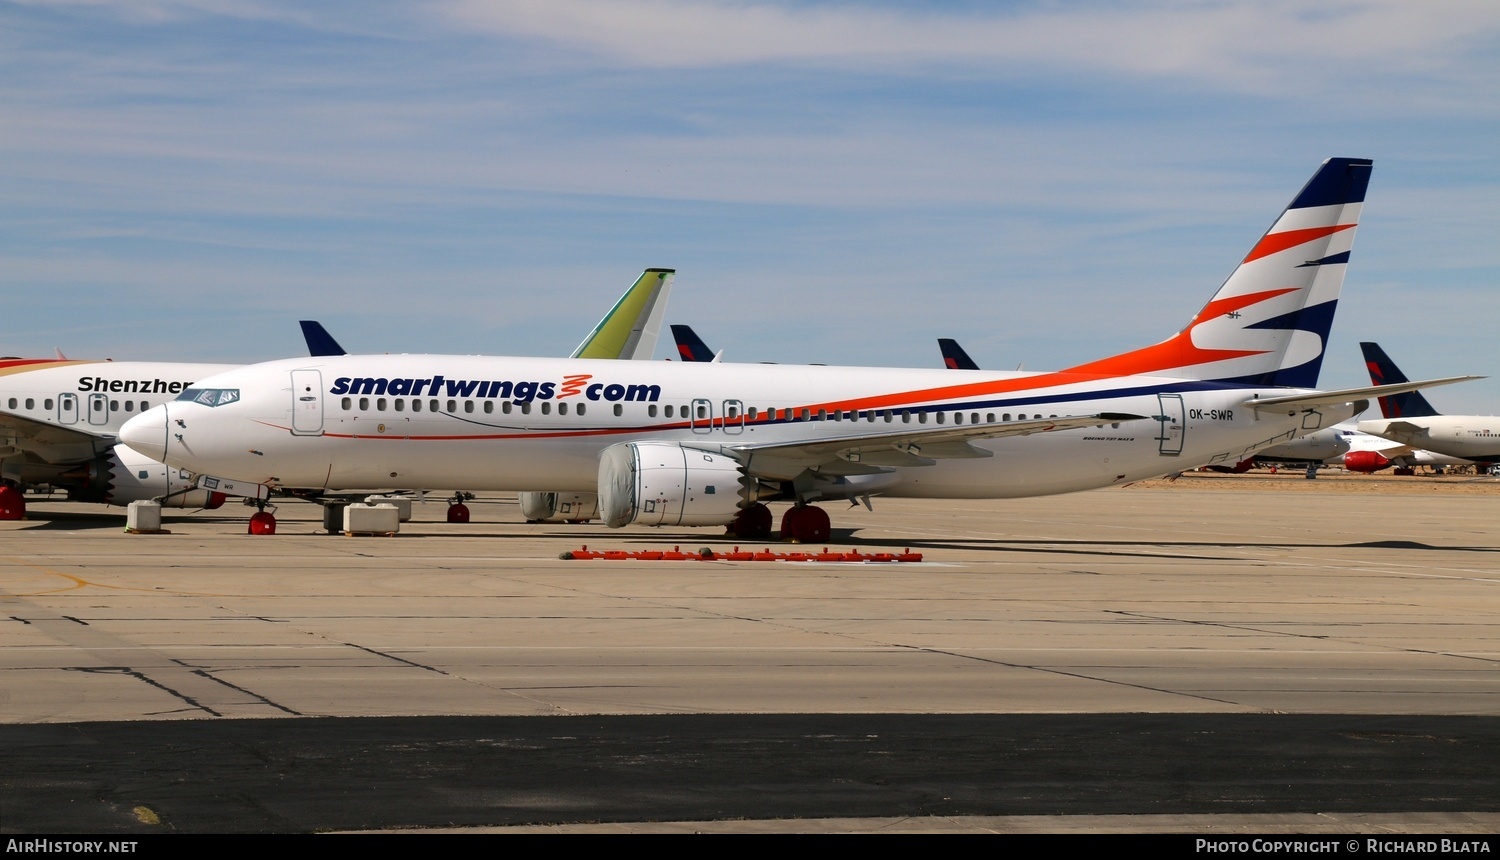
{"x": 1348, "y": 395}
{"x": 49, "y": 442}
{"x": 1393, "y": 450}
{"x": 877, "y": 452}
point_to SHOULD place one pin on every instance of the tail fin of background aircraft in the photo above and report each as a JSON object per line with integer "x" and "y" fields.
{"x": 631, "y": 327}
{"x": 1383, "y": 371}
{"x": 1268, "y": 324}
{"x": 690, "y": 347}
{"x": 954, "y": 357}
{"x": 319, "y": 341}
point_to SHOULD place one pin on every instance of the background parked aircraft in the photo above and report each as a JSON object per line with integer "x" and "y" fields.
{"x": 59, "y": 419}
{"x": 1410, "y": 420}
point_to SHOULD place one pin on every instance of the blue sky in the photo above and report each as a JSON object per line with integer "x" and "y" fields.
{"x": 834, "y": 182}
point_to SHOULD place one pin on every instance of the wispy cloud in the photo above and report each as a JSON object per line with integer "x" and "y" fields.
{"x": 1261, "y": 47}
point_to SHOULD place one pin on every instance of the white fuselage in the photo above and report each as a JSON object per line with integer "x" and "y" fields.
{"x": 57, "y": 414}
{"x": 354, "y": 422}
{"x": 1472, "y": 437}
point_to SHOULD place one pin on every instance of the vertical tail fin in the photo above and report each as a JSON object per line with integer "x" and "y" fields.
{"x": 632, "y": 326}
{"x": 954, "y": 357}
{"x": 319, "y": 341}
{"x": 1268, "y": 324}
{"x": 1384, "y": 371}
{"x": 690, "y": 347}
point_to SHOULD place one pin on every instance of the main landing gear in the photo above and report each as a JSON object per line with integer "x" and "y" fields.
{"x": 12, "y": 503}
{"x": 804, "y": 523}
{"x": 751, "y": 523}
{"x": 458, "y": 512}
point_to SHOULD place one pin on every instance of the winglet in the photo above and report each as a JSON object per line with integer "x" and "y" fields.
{"x": 319, "y": 341}
{"x": 632, "y": 326}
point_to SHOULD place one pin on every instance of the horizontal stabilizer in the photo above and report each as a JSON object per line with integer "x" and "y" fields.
{"x": 1349, "y": 395}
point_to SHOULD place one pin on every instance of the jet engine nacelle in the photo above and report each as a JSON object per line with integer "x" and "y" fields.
{"x": 121, "y": 476}
{"x": 559, "y": 507}
{"x": 665, "y": 484}
{"x": 1365, "y": 461}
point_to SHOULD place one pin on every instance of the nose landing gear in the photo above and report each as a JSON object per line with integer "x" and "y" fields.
{"x": 262, "y": 522}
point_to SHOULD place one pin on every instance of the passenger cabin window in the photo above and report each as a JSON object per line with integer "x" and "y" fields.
{"x": 347, "y": 404}
{"x": 651, "y": 411}
{"x": 619, "y": 410}
{"x": 364, "y": 404}
{"x": 469, "y": 406}
{"x": 489, "y": 406}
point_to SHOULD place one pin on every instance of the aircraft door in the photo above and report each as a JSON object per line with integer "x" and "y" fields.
{"x": 67, "y": 408}
{"x": 99, "y": 409}
{"x": 307, "y": 403}
{"x": 701, "y": 419}
{"x": 1173, "y": 427}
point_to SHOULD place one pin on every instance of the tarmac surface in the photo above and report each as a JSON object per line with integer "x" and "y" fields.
{"x": 1210, "y": 656}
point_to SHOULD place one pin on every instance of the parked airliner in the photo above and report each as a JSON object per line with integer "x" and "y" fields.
{"x": 1343, "y": 445}
{"x": 687, "y": 443}
{"x": 59, "y": 419}
{"x": 1410, "y": 420}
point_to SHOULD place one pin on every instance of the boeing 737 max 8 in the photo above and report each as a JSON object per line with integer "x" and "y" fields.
{"x": 685, "y": 443}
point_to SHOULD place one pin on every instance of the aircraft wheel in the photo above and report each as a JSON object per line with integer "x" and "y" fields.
{"x": 1405, "y": 470}
{"x": 12, "y": 503}
{"x": 805, "y": 524}
{"x": 262, "y": 523}
{"x": 752, "y": 523}
{"x": 458, "y": 512}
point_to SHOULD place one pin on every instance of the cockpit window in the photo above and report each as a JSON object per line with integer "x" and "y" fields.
{"x": 210, "y": 396}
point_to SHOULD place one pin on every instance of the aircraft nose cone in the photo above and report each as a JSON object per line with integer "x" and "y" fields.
{"x": 147, "y": 433}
